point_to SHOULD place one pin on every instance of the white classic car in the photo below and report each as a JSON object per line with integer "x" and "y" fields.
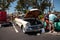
{"x": 29, "y": 24}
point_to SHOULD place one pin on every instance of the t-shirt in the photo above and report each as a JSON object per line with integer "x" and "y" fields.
{"x": 52, "y": 17}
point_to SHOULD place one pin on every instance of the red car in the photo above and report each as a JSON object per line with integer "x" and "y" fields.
{"x": 3, "y": 19}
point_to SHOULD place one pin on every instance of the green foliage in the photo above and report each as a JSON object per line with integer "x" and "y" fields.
{"x": 4, "y": 4}
{"x": 25, "y": 4}
{"x": 41, "y": 16}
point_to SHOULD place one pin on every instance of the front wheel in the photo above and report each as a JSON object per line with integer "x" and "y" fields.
{"x": 23, "y": 30}
{"x": 21, "y": 26}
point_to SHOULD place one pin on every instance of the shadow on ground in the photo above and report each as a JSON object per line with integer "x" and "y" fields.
{"x": 33, "y": 33}
{"x": 57, "y": 30}
{"x": 7, "y": 25}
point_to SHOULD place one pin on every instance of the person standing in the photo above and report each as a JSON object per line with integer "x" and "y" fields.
{"x": 47, "y": 21}
{"x": 52, "y": 16}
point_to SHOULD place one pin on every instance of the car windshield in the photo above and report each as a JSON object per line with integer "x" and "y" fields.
{"x": 33, "y": 21}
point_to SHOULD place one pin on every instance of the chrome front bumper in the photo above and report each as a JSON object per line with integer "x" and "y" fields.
{"x": 33, "y": 30}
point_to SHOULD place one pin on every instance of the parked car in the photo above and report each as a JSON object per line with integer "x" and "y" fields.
{"x": 29, "y": 24}
{"x": 4, "y": 20}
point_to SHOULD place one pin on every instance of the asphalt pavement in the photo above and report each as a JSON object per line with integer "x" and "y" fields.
{"x": 15, "y": 33}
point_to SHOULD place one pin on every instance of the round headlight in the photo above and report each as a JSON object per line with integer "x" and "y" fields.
{"x": 28, "y": 24}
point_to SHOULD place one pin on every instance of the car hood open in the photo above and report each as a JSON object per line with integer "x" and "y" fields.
{"x": 33, "y": 13}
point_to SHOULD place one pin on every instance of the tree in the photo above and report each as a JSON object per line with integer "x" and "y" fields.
{"x": 4, "y": 4}
{"x": 21, "y": 5}
{"x": 45, "y": 4}
{"x": 40, "y": 4}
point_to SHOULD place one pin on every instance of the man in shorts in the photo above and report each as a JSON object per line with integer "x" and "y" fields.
{"x": 52, "y": 16}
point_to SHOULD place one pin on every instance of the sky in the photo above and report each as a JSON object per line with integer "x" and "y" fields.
{"x": 56, "y": 6}
{"x": 12, "y": 8}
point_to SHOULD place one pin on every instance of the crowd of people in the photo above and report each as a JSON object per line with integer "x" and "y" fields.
{"x": 49, "y": 19}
